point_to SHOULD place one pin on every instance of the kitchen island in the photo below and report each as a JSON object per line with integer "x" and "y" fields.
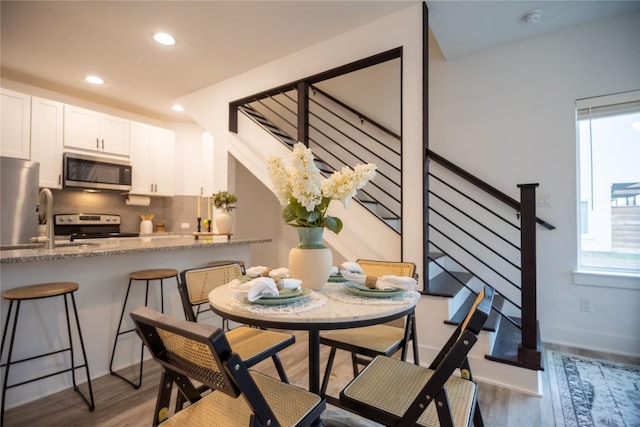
{"x": 101, "y": 268}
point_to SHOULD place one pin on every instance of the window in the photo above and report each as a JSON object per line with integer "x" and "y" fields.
{"x": 608, "y": 131}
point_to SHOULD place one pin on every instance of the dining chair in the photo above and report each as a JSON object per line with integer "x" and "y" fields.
{"x": 393, "y": 392}
{"x": 252, "y": 344}
{"x": 371, "y": 341}
{"x": 189, "y": 352}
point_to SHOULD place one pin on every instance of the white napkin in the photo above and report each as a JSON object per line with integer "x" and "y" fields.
{"x": 353, "y": 267}
{"x": 267, "y": 287}
{"x": 334, "y": 271}
{"x": 256, "y": 271}
{"x": 279, "y": 273}
{"x": 384, "y": 283}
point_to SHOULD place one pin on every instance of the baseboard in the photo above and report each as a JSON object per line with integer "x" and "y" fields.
{"x": 592, "y": 340}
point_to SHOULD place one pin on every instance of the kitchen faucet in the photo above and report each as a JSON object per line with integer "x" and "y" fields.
{"x": 49, "y": 215}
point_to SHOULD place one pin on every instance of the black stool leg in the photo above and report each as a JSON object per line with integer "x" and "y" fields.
{"x": 8, "y": 364}
{"x": 118, "y": 333}
{"x": 90, "y": 403}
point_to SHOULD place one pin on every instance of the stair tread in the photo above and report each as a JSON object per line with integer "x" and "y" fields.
{"x": 444, "y": 285}
{"x": 434, "y": 256}
{"x": 505, "y": 349}
{"x": 492, "y": 322}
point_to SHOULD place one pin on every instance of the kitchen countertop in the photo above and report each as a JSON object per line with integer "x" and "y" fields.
{"x": 116, "y": 246}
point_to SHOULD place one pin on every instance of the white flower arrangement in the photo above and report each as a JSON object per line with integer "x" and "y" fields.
{"x": 306, "y": 195}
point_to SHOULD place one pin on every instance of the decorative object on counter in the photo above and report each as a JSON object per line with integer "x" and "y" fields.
{"x": 146, "y": 225}
{"x": 199, "y": 224}
{"x": 311, "y": 261}
{"x": 208, "y": 225}
{"x": 160, "y": 227}
{"x": 224, "y": 201}
{"x": 306, "y": 196}
{"x": 207, "y": 236}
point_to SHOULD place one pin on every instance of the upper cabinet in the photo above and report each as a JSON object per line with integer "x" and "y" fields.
{"x": 96, "y": 132}
{"x": 152, "y": 159}
{"x": 15, "y": 125}
{"x": 196, "y": 160}
{"x": 46, "y": 140}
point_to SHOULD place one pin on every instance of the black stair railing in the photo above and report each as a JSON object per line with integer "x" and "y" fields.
{"x": 490, "y": 235}
{"x": 339, "y": 136}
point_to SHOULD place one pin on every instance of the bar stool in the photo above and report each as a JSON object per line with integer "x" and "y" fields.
{"x": 146, "y": 275}
{"x": 40, "y": 291}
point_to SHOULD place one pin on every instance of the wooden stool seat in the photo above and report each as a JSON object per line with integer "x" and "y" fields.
{"x": 153, "y": 274}
{"x": 42, "y": 290}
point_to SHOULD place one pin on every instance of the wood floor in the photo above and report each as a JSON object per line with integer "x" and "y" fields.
{"x": 118, "y": 404}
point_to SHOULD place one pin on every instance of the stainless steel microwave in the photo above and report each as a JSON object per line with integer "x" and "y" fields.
{"x": 96, "y": 173}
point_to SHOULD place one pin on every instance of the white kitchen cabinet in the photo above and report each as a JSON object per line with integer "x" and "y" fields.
{"x": 152, "y": 160}
{"x": 46, "y": 140}
{"x": 15, "y": 138}
{"x": 196, "y": 160}
{"x": 96, "y": 132}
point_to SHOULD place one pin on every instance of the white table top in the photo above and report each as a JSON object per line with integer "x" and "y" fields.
{"x": 332, "y": 307}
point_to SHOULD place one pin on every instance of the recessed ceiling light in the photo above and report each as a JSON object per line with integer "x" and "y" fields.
{"x": 177, "y": 107}
{"x": 164, "y": 39}
{"x": 94, "y": 80}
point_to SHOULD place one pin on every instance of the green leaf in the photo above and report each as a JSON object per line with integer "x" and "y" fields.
{"x": 333, "y": 223}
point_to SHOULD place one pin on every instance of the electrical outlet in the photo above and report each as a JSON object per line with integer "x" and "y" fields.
{"x": 185, "y": 225}
{"x": 585, "y": 305}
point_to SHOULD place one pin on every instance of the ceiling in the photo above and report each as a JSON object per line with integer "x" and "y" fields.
{"x": 55, "y": 44}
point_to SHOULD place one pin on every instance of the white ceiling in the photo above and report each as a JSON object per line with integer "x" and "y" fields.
{"x": 55, "y": 44}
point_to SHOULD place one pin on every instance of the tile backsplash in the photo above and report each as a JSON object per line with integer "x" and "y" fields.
{"x": 173, "y": 211}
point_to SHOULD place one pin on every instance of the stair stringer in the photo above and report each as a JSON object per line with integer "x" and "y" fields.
{"x": 432, "y": 334}
{"x": 363, "y": 235}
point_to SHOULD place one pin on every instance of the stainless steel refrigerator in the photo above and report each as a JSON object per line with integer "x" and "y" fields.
{"x": 19, "y": 181}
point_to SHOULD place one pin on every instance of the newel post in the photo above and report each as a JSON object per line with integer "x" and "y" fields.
{"x": 528, "y": 353}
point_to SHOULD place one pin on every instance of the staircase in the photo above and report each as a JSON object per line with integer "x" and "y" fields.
{"x": 475, "y": 235}
{"x": 449, "y": 300}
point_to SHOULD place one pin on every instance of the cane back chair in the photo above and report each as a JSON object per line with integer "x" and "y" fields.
{"x": 189, "y": 351}
{"x": 370, "y": 341}
{"x": 252, "y": 344}
{"x": 392, "y": 392}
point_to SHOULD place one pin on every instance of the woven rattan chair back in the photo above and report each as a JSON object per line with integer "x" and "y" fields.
{"x": 392, "y": 268}
{"x": 195, "y": 285}
{"x": 200, "y": 352}
{"x": 393, "y": 392}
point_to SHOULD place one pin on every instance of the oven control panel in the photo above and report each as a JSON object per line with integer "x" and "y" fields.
{"x": 87, "y": 219}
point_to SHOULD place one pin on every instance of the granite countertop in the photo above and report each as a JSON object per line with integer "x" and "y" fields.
{"x": 114, "y": 246}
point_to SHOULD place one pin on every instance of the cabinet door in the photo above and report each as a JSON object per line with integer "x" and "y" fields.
{"x": 141, "y": 163}
{"x": 81, "y": 128}
{"x": 163, "y": 155}
{"x": 46, "y": 140}
{"x": 15, "y": 138}
{"x": 114, "y": 135}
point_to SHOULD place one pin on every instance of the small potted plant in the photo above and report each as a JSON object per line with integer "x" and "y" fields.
{"x": 224, "y": 201}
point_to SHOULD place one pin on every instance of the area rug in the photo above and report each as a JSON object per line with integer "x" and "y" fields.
{"x": 591, "y": 392}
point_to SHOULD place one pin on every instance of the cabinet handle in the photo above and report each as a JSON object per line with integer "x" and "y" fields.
{"x": 103, "y": 143}
{"x": 59, "y": 178}
{"x": 201, "y": 191}
{"x": 155, "y": 188}
{"x": 151, "y": 188}
{"x": 97, "y": 143}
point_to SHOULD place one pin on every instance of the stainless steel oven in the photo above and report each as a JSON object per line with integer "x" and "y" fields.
{"x": 89, "y": 226}
{"x": 96, "y": 173}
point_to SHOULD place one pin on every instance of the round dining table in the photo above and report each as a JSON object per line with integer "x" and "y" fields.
{"x": 331, "y": 307}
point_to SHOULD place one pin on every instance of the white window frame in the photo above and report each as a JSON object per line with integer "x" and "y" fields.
{"x": 592, "y": 276}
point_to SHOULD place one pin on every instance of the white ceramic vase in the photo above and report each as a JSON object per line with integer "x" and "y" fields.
{"x": 146, "y": 226}
{"x": 311, "y": 261}
{"x": 224, "y": 222}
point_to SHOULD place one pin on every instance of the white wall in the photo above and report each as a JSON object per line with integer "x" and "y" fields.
{"x": 507, "y": 115}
